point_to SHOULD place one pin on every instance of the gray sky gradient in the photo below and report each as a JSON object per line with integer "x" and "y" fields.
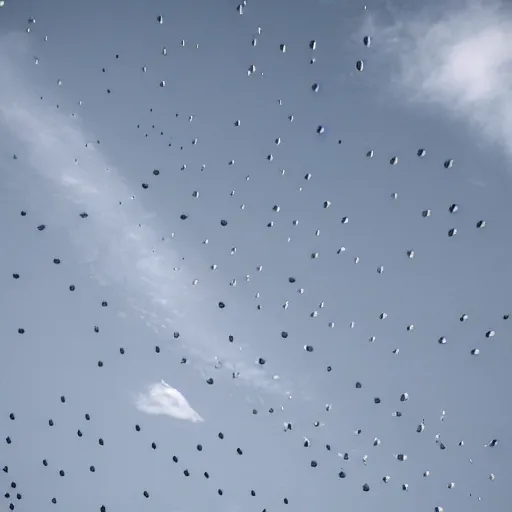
{"x": 314, "y": 274}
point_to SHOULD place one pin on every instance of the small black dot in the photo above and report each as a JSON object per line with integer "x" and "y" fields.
{"x": 222, "y": 305}
{"x": 71, "y": 287}
{"x": 157, "y": 349}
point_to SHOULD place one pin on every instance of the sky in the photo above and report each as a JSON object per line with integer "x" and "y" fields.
{"x": 244, "y": 272}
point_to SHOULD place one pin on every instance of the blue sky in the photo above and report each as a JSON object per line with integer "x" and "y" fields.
{"x": 243, "y": 248}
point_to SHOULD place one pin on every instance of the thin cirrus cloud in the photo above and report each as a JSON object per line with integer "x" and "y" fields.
{"x": 48, "y": 141}
{"x": 458, "y": 57}
{"x": 163, "y": 399}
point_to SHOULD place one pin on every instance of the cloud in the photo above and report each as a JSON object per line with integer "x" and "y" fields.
{"x": 164, "y": 399}
{"x": 457, "y": 57}
{"x": 119, "y": 250}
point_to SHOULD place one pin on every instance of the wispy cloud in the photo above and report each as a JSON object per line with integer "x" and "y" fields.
{"x": 457, "y": 56}
{"x": 163, "y": 399}
{"x": 121, "y": 251}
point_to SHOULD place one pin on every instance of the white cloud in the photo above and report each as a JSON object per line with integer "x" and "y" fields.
{"x": 458, "y": 57}
{"x": 49, "y": 140}
{"x": 164, "y": 399}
